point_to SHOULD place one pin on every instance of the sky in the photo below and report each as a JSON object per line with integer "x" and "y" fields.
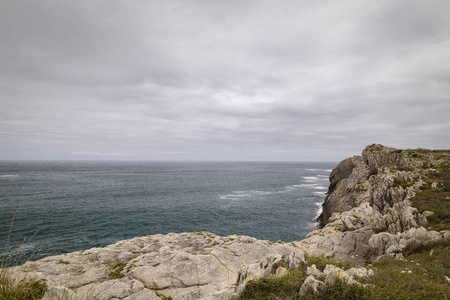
{"x": 227, "y": 80}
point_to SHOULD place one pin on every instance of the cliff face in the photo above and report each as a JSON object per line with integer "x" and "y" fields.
{"x": 346, "y": 190}
{"x": 367, "y": 213}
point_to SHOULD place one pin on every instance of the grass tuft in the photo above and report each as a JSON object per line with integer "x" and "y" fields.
{"x": 25, "y": 289}
{"x": 117, "y": 269}
{"x": 12, "y": 288}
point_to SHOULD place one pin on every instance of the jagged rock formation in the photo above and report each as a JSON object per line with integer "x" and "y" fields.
{"x": 367, "y": 215}
{"x": 314, "y": 284}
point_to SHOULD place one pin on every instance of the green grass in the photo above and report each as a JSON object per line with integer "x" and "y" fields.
{"x": 438, "y": 200}
{"x": 25, "y": 289}
{"x": 419, "y": 276}
{"x": 268, "y": 288}
{"x": 117, "y": 269}
{"x": 163, "y": 297}
{"x": 401, "y": 183}
{"x": 322, "y": 261}
{"x": 12, "y": 288}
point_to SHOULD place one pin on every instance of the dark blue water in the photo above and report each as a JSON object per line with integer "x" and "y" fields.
{"x": 79, "y": 205}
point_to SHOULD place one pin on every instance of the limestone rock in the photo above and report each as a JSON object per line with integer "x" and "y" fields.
{"x": 312, "y": 270}
{"x": 281, "y": 271}
{"x": 312, "y": 285}
{"x": 273, "y": 264}
{"x": 368, "y": 197}
{"x": 183, "y": 266}
{"x": 334, "y": 273}
{"x": 377, "y": 156}
{"x": 347, "y": 188}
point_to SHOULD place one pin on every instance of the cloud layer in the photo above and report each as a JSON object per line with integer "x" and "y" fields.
{"x": 221, "y": 80}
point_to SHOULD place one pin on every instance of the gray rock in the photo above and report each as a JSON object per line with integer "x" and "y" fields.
{"x": 312, "y": 270}
{"x": 312, "y": 286}
{"x": 347, "y": 189}
{"x": 434, "y": 186}
{"x": 183, "y": 266}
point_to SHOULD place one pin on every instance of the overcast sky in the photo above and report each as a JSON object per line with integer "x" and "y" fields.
{"x": 222, "y": 80}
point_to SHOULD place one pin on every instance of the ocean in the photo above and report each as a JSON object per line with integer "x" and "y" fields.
{"x": 74, "y": 205}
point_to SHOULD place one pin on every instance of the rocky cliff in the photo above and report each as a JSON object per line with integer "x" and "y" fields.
{"x": 367, "y": 215}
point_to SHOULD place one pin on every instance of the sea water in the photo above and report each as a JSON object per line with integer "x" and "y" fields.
{"x": 78, "y": 205}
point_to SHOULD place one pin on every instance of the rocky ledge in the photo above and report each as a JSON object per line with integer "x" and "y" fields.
{"x": 183, "y": 266}
{"x": 367, "y": 215}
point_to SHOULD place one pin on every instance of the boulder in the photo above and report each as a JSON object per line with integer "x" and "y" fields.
{"x": 312, "y": 286}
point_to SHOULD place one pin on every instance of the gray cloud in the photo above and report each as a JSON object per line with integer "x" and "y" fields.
{"x": 214, "y": 80}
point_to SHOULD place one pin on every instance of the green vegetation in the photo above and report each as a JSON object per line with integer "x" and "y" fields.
{"x": 11, "y": 287}
{"x": 163, "y": 297}
{"x": 384, "y": 229}
{"x": 63, "y": 262}
{"x": 322, "y": 261}
{"x": 401, "y": 183}
{"x": 26, "y": 289}
{"x": 436, "y": 200}
{"x": 271, "y": 287}
{"x": 422, "y": 275}
{"x": 117, "y": 269}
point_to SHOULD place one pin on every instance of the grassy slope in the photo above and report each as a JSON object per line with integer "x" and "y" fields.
{"x": 437, "y": 200}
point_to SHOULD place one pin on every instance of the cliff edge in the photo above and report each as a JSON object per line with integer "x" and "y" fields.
{"x": 368, "y": 214}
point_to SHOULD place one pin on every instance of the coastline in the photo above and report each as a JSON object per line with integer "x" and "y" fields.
{"x": 367, "y": 216}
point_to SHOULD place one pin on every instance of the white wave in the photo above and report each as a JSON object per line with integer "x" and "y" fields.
{"x": 9, "y": 176}
{"x": 319, "y": 170}
{"x": 23, "y": 248}
{"x": 320, "y": 188}
{"x": 311, "y": 178}
{"x": 319, "y": 209}
{"x": 292, "y": 187}
{"x": 326, "y": 176}
{"x": 307, "y": 185}
{"x": 311, "y": 225}
{"x": 235, "y": 195}
{"x": 320, "y": 193}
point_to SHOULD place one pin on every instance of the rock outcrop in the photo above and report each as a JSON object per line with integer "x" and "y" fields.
{"x": 367, "y": 215}
{"x": 315, "y": 286}
{"x": 182, "y": 266}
